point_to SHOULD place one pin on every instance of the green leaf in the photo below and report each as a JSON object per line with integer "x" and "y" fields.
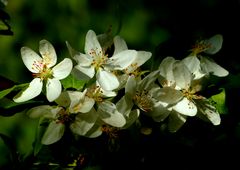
{"x": 219, "y": 101}
{"x": 37, "y": 145}
{"x": 21, "y": 132}
{"x": 5, "y": 92}
{"x": 8, "y": 107}
{"x": 11, "y": 145}
{"x": 71, "y": 82}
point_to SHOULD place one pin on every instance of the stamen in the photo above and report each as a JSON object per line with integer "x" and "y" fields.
{"x": 43, "y": 71}
{"x": 143, "y": 100}
{"x": 200, "y": 47}
{"x": 63, "y": 116}
{"x": 98, "y": 58}
{"x": 111, "y": 131}
{"x": 95, "y": 93}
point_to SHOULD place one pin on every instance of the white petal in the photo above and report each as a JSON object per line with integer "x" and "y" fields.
{"x": 186, "y": 107}
{"x": 213, "y": 116}
{"x": 193, "y": 64}
{"x": 94, "y": 132}
{"x": 209, "y": 112}
{"x": 30, "y": 59}
{"x": 159, "y": 112}
{"x": 122, "y": 80}
{"x": 148, "y": 81}
{"x": 87, "y": 105}
{"x": 53, "y": 88}
{"x": 131, "y": 86}
{"x": 209, "y": 66}
{"x": 63, "y": 99}
{"x": 123, "y": 59}
{"x": 33, "y": 90}
{"x": 76, "y": 99}
{"x": 84, "y": 122}
{"x": 215, "y": 43}
{"x": 110, "y": 115}
{"x": 168, "y": 95}
{"x": 83, "y": 72}
{"x": 53, "y": 133}
{"x": 142, "y": 57}
{"x": 106, "y": 93}
{"x": 107, "y": 80}
{"x": 83, "y": 59}
{"x": 48, "y": 53}
{"x": 124, "y": 105}
{"x": 166, "y": 68}
{"x": 83, "y": 106}
{"x": 92, "y": 44}
{"x": 39, "y": 111}
{"x": 131, "y": 118}
{"x": 176, "y": 121}
{"x": 182, "y": 75}
{"x": 119, "y": 44}
{"x": 79, "y": 102}
{"x": 62, "y": 69}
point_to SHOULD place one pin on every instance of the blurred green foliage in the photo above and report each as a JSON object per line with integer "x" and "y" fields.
{"x": 165, "y": 27}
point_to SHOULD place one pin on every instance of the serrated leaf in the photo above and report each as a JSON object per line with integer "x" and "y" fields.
{"x": 219, "y": 101}
{"x": 71, "y": 82}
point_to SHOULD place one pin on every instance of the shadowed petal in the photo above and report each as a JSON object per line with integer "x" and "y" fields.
{"x": 53, "y": 133}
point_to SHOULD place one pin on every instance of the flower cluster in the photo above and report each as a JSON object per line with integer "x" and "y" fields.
{"x": 115, "y": 91}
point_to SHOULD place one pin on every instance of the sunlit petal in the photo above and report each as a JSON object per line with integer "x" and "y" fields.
{"x": 48, "y": 53}
{"x": 110, "y": 115}
{"x": 33, "y": 90}
{"x": 53, "y": 88}
{"x": 92, "y": 44}
{"x": 186, "y": 107}
{"x": 62, "y": 69}
{"x": 107, "y": 80}
{"x": 119, "y": 44}
{"x": 30, "y": 59}
{"x": 210, "y": 66}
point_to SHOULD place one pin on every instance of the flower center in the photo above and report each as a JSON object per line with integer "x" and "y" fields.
{"x": 95, "y": 93}
{"x": 111, "y": 131}
{"x": 143, "y": 100}
{"x": 43, "y": 71}
{"x": 200, "y": 47}
{"x": 98, "y": 59}
{"x": 190, "y": 95}
{"x": 134, "y": 70}
{"x": 63, "y": 116}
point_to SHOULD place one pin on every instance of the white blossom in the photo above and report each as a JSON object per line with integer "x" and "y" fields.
{"x": 43, "y": 70}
